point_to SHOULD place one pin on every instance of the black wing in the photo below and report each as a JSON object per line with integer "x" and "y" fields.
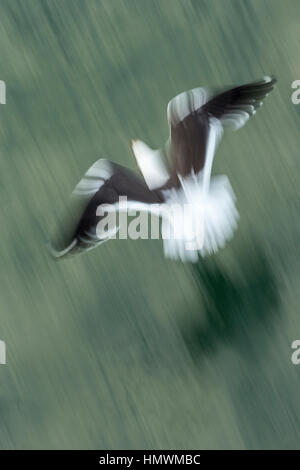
{"x": 190, "y": 114}
{"x": 102, "y": 185}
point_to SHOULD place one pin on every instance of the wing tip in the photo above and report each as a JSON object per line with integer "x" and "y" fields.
{"x": 58, "y": 254}
{"x": 270, "y": 80}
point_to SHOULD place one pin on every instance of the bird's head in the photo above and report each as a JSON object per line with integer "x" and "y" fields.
{"x": 139, "y": 149}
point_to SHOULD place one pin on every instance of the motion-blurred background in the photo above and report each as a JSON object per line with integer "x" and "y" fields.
{"x": 120, "y": 348}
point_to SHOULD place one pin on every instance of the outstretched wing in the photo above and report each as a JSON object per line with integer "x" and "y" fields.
{"x": 190, "y": 113}
{"x": 97, "y": 193}
{"x": 234, "y": 107}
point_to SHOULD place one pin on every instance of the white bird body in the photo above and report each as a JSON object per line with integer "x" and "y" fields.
{"x": 200, "y": 215}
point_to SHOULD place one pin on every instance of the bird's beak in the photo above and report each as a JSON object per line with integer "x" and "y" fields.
{"x": 132, "y": 142}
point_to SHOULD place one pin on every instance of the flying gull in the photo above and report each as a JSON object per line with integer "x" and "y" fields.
{"x": 197, "y": 211}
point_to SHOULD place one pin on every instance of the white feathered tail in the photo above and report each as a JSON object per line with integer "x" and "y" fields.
{"x": 200, "y": 227}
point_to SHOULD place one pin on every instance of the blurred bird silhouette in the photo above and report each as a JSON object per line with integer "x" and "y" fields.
{"x": 198, "y": 211}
